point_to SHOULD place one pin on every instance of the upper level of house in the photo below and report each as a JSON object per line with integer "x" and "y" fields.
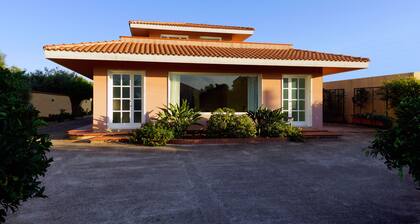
{"x": 189, "y": 31}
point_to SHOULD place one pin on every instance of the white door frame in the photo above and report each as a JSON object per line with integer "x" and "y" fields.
{"x": 308, "y": 99}
{"x": 130, "y": 125}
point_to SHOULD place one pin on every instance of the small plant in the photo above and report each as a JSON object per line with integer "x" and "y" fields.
{"x": 284, "y": 130}
{"x": 178, "y": 118}
{"x": 263, "y": 117}
{"x": 224, "y": 123}
{"x": 152, "y": 134}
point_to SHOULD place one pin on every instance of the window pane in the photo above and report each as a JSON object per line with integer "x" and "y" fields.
{"x": 209, "y": 92}
{"x": 285, "y": 83}
{"x": 302, "y": 83}
{"x": 301, "y": 105}
{"x": 294, "y": 105}
{"x": 301, "y": 93}
{"x": 125, "y": 117}
{"x": 116, "y": 104}
{"x": 137, "y": 104}
{"x": 137, "y": 117}
{"x": 116, "y": 79}
{"x": 126, "y": 92}
{"x": 137, "y": 80}
{"x": 126, "y": 104}
{"x": 125, "y": 80}
{"x": 137, "y": 92}
{"x": 116, "y": 117}
{"x": 285, "y": 94}
{"x": 295, "y": 116}
{"x": 301, "y": 116}
{"x": 294, "y": 94}
{"x": 116, "y": 92}
{"x": 294, "y": 83}
{"x": 285, "y": 104}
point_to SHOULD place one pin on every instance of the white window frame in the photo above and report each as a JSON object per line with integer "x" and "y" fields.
{"x": 174, "y": 36}
{"x": 308, "y": 99}
{"x": 131, "y": 125}
{"x": 206, "y": 114}
{"x": 211, "y": 38}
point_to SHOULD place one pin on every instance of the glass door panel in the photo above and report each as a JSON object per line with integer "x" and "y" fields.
{"x": 126, "y": 100}
{"x": 294, "y": 98}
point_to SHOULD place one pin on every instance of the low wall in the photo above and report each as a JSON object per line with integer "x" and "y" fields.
{"x": 48, "y": 103}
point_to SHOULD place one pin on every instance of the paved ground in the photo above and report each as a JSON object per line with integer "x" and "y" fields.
{"x": 58, "y": 130}
{"x": 319, "y": 181}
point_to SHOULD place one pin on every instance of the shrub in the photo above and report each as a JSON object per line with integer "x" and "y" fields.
{"x": 282, "y": 129}
{"x": 224, "y": 123}
{"x": 23, "y": 158}
{"x": 263, "y": 117}
{"x": 395, "y": 90}
{"x": 400, "y": 145}
{"x": 178, "y": 117}
{"x": 152, "y": 134}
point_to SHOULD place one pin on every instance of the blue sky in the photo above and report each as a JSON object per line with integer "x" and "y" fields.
{"x": 388, "y": 32}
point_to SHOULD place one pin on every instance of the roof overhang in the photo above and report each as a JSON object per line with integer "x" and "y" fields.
{"x": 190, "y": 29}
{"x": 199, "y": 60}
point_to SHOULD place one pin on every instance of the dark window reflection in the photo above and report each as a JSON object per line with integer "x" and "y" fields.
{"x": 207, "y": 93}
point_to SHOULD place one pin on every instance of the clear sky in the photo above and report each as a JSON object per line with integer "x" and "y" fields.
{"x": 386, "y": 31}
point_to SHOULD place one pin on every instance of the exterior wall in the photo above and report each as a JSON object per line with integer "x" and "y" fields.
{"x": 49, "y": 103}
{"x": 349, "y": 85}
{"x": 271, "y": 90}
{"x": 156, "y": 86}
{"x": 100, "y": 99}
{"x": 316, "y": 95}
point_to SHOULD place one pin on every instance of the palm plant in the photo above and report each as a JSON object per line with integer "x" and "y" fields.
{"x": 178, "y": 117}
{"x": 263, "y": 117}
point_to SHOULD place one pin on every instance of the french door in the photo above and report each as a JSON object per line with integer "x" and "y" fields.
{"x": 296, "y": 99}
{"x": 125, "y": 99}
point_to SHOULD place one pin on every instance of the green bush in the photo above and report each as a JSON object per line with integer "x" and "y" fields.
{"x": 284, "y": 130}
{"x": 395, "y": 90}
{"x": 400, "y": 145}
{"x": 224, "y": 123}
{"x": 264, "y": 117}
{"x": 152, "y": 134}
{"x": 178, "y": 118}
{"x": 23, "y": 158}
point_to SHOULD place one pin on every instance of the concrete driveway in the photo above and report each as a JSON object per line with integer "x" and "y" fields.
{"x": 319, "y": 181}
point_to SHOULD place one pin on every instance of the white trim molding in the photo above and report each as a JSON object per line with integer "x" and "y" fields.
{"x": 199, "y": 60}
{"x": 190, "y": 29}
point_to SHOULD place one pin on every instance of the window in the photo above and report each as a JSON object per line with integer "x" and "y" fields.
{"x": 210, "y": 38}
{"x": 207, "y": 92}
{"x": 294, "y": 97}
{"x": 174, "y": 36}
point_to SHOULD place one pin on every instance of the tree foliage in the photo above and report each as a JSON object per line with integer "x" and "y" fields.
{"x": 23, "y": 158}
{"x": 399, "y": 146}
{"x": 395, "y": 90}
{"x": 63, "y": 82}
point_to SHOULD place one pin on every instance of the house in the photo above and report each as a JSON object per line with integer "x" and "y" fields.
{"x": 371, "y": 86}
{"x": 210, "y": 66}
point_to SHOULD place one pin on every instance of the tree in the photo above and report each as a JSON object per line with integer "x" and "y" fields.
{"x": 63, "y": 82}
{"x": 400, "y": 145}
{"x": 395, "y": 90}
{"x": 2, "y": 60}
{"x": 23, "y": 158}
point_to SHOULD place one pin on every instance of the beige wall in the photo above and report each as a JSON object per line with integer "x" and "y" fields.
{"x": 48, "y": 103}
{"x": 349, "y": 85}
{"x": 156, "y": 81}
{"x": 316, "y": 89}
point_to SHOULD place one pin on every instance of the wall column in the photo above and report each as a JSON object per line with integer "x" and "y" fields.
{"x": 317, "y": 116}
{"x": 271, "y": 90}
{"x": 156, "y": 91}
{"x": 100, "y": 95}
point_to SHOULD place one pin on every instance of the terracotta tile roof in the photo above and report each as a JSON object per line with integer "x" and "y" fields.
{"x": 190, "y": 25}
{"x": 173, "y": 48}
